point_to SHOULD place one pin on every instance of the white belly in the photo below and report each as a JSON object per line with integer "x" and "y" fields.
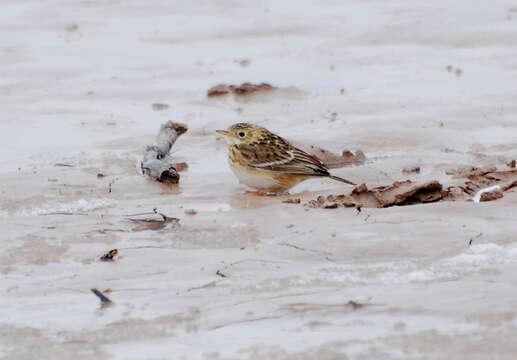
{"x": 252, "y": 178}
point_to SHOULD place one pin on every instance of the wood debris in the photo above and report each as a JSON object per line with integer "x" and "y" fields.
{"x": 110, "y": 255}
{"x": 399, "y": 193}
{"x": 153, "y": 221}
{"x": 411, "y": 170}
{"x": 491, "y": 195}
{"x": 221, "y": 274}
{"x": 157, "y": 162}
{"x": 243, "y": 89}
{"x": 103, "y": 298}
{"x": 406, "y": 192}
{"x": 159, "y": 106}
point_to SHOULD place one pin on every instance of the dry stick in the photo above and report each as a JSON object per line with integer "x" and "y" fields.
{"x": 220, "y": 271}
{"x": 284, "y": 296}
{"x": 300, "y": 248}
{"x": 155, "y": 211}
{"x": 247, "y": 321}
{"x": 103, "y": 298}
{"x": 472, "y": 238}
{"x": 204, "y": 286}
{"x": 156, "y": 162}
{"x": 326, "y": 254}
{"x": 111, "y": 183}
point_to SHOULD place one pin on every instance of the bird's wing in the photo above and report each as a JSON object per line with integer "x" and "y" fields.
{"x": 284, "y": 157}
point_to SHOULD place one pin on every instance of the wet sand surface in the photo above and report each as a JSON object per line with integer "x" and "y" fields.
{"x": 244, "y": 277}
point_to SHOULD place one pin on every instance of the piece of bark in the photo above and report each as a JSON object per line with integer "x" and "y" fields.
{"x": 159, "y": 106}
{"x": 478, "y": 179}
{"x": 491, "y": 195}
{"x": 476, "y": 187}
{"x": 399, "y": 193}
{"x": 243, "y": 89}
{"x": 218, "y": 90}
{"x": 248, "y": 88}
{"x": 411, "y": 170}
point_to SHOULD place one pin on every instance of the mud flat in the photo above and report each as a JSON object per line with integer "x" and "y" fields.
{"x": 203, "y": 271}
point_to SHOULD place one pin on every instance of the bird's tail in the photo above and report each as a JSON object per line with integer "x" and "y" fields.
{"x": 341, "y": 179}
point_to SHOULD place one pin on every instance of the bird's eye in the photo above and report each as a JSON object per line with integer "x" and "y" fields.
{"x": 242, "y": 134}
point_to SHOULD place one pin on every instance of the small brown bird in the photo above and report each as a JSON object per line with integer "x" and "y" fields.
{"x": 267, "y": 162}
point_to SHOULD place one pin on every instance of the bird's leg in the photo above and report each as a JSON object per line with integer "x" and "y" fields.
{"x": 259, "y": 192}
{"x": 270, "y": 191}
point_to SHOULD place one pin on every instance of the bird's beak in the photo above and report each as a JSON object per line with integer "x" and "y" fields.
{"x": 224, "y": 132}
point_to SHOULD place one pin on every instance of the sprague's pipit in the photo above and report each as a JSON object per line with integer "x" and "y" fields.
{"x": 265, "y": 161}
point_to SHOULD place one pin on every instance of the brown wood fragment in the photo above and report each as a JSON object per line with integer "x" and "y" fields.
{"x": 411, "y": 170}
{"x": 103, "y": 298}
{"x": 110, "y": 255}
{"x": 159, "y": 106}
{"x": 238, "y": 90}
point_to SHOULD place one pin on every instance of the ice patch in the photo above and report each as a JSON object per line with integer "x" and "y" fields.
{"x": 475, "y": 258}
{"x": 485, "y": 254}
{"x": 80, "y": 205}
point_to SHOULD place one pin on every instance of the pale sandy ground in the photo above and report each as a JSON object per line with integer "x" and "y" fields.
{"x": 78, "y": 80}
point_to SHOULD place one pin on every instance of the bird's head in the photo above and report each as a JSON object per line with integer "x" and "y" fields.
{"x": 242, "y": 133}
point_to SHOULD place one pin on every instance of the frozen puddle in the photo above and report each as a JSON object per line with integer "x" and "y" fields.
{"x": 80, "y": 205}
{"x": 473, "y": 260}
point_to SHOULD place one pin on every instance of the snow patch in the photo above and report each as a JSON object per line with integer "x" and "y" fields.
{"x": 80, "y": 205}
{"x": 472, "y": 260}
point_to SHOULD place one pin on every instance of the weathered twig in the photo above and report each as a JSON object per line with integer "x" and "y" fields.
{"x": 111, "y": 183}
{"x": 103, "y": 298}
{"x": 157, "y": 163}
{"x": 153, "y": 223}
{"x": 204, "y": 286}
{"x": 109, "y": 256}
{"x": 221, "y": 274}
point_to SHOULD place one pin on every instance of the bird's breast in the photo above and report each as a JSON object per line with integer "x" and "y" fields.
{"x": 256, "y": 178}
